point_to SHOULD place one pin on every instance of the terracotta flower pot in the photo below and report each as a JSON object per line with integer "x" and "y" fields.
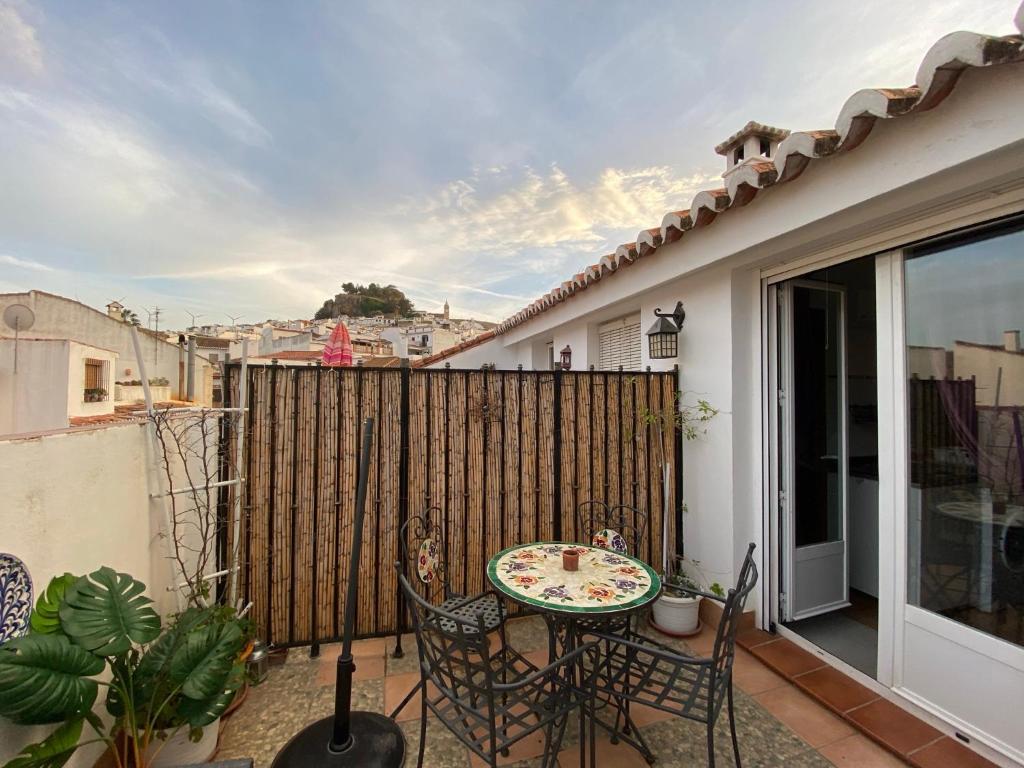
{"x": 570, "y": 559}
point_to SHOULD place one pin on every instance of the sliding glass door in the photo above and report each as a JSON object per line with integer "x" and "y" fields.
{"x": 963, "y": 315}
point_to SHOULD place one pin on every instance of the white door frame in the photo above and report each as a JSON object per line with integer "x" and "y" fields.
{"x": 889, "y": 539}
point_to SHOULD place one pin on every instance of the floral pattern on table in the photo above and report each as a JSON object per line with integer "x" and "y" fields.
{"x": 426, "y": 561}
{"x": 606, "y": 581}
{"x": 609, "y": 538}
{"x": 15, "y": 597}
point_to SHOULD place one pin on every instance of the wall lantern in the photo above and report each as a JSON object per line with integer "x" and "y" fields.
{"x": 663, "y": 337}
{"x": 566, "y": 355}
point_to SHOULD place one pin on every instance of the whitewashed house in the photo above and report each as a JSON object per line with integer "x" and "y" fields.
{"x": 72, "y": 358}
{"x": 833, "y": 287}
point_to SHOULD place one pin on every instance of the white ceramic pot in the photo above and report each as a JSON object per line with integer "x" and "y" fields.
{"x": 180, "y": 751}
{"x": 677, "y": 615}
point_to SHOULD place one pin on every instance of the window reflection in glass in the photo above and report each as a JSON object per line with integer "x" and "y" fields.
{"x": 964, "y": 317}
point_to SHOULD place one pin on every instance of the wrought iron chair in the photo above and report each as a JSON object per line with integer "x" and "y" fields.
{"x": 422, "y": 544}
{"x": 490, "y": 698}
{"x": 619, "y": 527}
{"x": 642, "y": 670}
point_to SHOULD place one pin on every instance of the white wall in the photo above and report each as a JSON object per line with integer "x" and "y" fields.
{"x": 61, "y": 318}
{"x": 74, "y": 501}
{"x": 36, "y": 398}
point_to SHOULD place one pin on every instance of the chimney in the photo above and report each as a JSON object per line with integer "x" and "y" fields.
{"x": 753, "y": 140}
{"x": 1011, "y": 341}
{"x": 114, "y": 310}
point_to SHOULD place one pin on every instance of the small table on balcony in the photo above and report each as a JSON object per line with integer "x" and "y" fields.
{"x": 607, "y": 587}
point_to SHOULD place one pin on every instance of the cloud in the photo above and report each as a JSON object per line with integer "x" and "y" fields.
{"x": 225, "y": 112}
{"x": 512, "y": 211}
{"x": 19, "y": 43}
{"x": 14, "y": 261}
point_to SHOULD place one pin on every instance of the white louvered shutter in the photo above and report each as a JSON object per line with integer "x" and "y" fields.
{"x": 619, "y": 344}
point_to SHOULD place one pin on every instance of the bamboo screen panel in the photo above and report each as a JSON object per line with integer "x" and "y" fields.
{"x": 506, "y": 455}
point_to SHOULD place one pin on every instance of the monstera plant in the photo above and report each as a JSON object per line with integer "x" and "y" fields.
{"x": 158, "y": 681}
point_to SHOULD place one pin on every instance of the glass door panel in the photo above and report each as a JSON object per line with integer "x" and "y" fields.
{"x": 964, "y": 309}
{"x": 814, "y": 447}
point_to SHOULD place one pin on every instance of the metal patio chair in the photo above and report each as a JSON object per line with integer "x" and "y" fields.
{"x": 619, "y": 527}
{"x": 422, "y": 544}
{"x": 490, "y": 698}
{"x": 643, "y": 670}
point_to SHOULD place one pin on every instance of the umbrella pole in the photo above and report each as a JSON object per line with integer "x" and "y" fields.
{"x": 348, "y": 739}
{"x": 342, "y": 736}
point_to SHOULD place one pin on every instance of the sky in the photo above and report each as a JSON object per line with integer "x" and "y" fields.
{"x": 243, "y": 159}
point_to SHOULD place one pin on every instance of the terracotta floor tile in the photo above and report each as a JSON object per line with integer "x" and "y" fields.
{"x": 609, "y": 755}
{"x": 395, "y": 689}
{"x": 859, "y": 752}
{"x": 948, "y": 753}
{"x": 524, "y": 749}
{"x": 372, "y": 647}
{"x": 831, "y": 687}
{"x": 786, "y": 658}
{"x": 811, "y": 721}
{"x": 753, "y": 677}
{"x": 367, "y": 668}
{"x": 703, "y": 643}
{"x": 750, "y": 638}
{"x": 895, "y": 727}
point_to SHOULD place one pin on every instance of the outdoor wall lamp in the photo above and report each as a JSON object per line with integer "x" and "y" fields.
{"x": 566, "y": 355}
{"x": 663, "y": 336}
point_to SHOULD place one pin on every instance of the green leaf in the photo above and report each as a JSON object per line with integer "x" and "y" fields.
{"x": 158, "y": 655}
{"x": 45, "y": 679}
{"x": 53, "y": 751}
{"x": 202, "y": 664}
{"x": 105, "y": 612}
{"x": 201, "y": 712}
{"x": 45, "y": 617}
{"x": 152, "y": 672}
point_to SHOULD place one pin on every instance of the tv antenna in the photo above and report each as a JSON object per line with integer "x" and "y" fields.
{"x": 234, "y": 323}
{"x": 20, "y": 318}
{"x": 193, "y": 316}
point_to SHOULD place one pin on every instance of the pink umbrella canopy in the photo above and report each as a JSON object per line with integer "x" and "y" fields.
{"x": 338, "y": 350}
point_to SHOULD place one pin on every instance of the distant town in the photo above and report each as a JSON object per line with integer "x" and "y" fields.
{"x": 101, "y": 373}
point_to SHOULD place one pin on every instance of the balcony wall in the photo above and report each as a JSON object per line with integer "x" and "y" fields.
{"x": 73, "y": 501}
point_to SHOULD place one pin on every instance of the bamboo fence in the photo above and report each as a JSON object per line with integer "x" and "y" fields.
{"x": 508, "y": 456}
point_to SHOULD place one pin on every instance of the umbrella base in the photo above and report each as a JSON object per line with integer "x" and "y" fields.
{"x": 377, "y": 742}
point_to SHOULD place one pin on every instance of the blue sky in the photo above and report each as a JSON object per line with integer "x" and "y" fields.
{"x": 246, "y": 158}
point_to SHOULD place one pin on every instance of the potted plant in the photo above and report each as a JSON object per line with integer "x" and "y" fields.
{"x": 676, "y": 612}
{"x": 164, "y": 685}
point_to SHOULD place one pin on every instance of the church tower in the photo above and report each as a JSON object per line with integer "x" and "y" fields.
{"x": 447, "y": 310}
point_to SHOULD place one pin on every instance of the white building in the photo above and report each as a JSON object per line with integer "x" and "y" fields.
{"x": 825, "y": 261}
{"x": 78, "y": 351}
{"x": 54, "y": 382}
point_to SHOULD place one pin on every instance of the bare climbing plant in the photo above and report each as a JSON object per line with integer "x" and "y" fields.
{"x": 195, "y": 454}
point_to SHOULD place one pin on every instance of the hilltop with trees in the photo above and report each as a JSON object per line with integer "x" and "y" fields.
{"x": 366, "y": 301}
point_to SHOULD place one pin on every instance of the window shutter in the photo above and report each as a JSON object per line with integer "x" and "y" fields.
{"x": 619, "y": 344}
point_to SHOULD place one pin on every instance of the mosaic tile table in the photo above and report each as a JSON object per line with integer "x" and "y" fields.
{"x": 607, "y": 581}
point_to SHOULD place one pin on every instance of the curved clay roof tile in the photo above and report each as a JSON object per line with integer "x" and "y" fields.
{"x": 954, "y": 53}
{"x": 797, "y": 151}
{"x": 744, "y": 181}
{"x": 674, "y": 224}
{"x": 648, "y": 241}
{"x": 858, "y": 115}
{"x": 707, "y": 205}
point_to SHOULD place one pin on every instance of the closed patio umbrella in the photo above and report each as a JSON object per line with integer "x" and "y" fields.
{"x": 338, "y": 351}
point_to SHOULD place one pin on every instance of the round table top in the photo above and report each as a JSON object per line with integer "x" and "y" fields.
{"x": 607, "y": 582}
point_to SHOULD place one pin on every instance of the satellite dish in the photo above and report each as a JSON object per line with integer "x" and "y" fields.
{"x": 20, "y": 318}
